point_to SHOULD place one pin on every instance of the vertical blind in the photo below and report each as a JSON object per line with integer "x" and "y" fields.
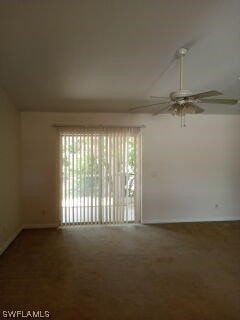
{"x": 100, "y": 175}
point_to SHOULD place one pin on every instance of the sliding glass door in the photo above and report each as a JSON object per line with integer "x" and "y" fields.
{"x": 100, "y": 175}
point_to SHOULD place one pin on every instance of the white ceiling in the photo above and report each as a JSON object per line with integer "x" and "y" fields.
{"x": 72, "y": 55}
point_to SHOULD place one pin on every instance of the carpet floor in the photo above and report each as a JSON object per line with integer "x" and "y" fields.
{"x": 171, "y": 272}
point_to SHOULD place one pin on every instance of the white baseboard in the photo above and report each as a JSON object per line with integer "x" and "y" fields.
{"x": 183, "y": 219}
{"x": 10, "y": 240}
{"x": 40, "y": 226}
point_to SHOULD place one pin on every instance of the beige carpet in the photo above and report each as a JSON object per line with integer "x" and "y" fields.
{"x": 177, "y": 271}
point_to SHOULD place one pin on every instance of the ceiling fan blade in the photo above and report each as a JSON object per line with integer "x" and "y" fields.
{"x": 147, "y": 106}
{"x": 220, "y": 101}
{"x": 161, "y": 110}
{"x": 205, "y": 94}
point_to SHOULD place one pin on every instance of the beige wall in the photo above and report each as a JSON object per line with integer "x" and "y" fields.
{"x": 186, "y": 172}
{"x": 10, "y": 220}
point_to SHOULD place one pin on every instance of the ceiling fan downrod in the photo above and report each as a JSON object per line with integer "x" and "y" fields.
{"x": 181, "y": 53}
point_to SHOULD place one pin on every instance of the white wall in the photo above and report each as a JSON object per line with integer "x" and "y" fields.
{"x": 10, "y": 219}
{"x": 186, "y": 172}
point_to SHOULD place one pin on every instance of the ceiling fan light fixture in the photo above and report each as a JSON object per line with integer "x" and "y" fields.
{"x": 185, "y": 108}
{"x": 192, "y": 108}
{"x": 182, "y": 109}
{"x": 173, "y": 109}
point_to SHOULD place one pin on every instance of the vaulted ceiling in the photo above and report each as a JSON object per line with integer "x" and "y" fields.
{"x": 71, "y": 55}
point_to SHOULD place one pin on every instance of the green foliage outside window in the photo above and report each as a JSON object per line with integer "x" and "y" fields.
{"x": 80, "y": 160}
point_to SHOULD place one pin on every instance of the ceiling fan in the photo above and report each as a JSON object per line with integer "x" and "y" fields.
{"x": 182, "y": 101}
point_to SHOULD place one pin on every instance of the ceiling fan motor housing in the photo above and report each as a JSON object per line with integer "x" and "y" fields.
{"x": 180, "y": 94}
